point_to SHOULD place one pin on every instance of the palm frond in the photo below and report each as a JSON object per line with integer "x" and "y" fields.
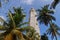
{"x": 10, "y": 16}
{"x": 3, "y": 28}
{"x": 54, "y": 3}
{"x": 45, "y": 16}
{"x": 23, "y": 23}
{"x": 27, "y": 28}
{"x": 53, "y": 30}
{"x": 51, "y": 11}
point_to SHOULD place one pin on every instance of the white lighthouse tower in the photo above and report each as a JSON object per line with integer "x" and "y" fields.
{"x": 33, "y": 20}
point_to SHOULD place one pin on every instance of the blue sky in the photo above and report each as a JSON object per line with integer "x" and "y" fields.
{"x": 26, "y": 5}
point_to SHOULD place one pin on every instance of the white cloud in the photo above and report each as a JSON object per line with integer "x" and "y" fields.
{"x": 29, "y": 2}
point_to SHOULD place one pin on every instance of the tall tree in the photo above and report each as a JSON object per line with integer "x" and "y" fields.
{"x": 53, "y": 30}
{"x": 44, "y": 15}
{"x": 14, "y": 23}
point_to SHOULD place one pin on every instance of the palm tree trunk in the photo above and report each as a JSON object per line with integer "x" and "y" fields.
{"x": 19, "y": 34}
{"x": 8, "y": 37}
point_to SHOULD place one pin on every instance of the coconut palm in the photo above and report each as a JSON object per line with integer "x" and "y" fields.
{"x": 31, "y": 33}
{"x": 54, "y": 3}
{"x": 53, "y": 30}
{"x": 18, "y": 16}
{"x": 45, "y": 15}
{"x": 13, "y": 32}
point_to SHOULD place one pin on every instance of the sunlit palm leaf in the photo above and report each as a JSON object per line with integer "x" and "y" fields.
{"x": 31, "y": 33}
{"x": 11, "y": 17}
{"x": 27, "y": 28}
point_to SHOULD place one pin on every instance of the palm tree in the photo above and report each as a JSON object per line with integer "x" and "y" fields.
{"x": 45, "y": 15}
{"x": 13, "y": 32}
{"x": 53, "y": 30}
{"x": 54, "y": 3}
{"x": 31, "y": 33}
{"x": 18, "y": 16}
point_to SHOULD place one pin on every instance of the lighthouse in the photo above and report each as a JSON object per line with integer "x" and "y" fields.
{"x": 33, "y": 20}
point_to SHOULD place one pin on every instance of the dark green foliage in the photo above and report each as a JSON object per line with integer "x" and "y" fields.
{"x": 53, "y": 30}
{"x": 18, "y": 16}
{"x": 45, "y": 15}
{"x": 54, "y": 3}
